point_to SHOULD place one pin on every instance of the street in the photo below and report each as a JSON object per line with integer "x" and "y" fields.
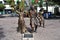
{"x": 8, "y": 29}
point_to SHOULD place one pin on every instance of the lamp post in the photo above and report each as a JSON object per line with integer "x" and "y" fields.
{"x": 46, "y": 9}
{"x": 47, "y": 5}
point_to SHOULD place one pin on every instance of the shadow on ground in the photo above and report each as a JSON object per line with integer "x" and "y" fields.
{"x": 29, "y": 29}
{"x": 1, "y": 33}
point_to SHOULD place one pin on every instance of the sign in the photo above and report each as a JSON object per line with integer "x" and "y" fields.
{"x": 28, "y": 36}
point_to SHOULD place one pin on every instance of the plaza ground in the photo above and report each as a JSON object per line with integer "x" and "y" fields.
{"x": 8, "y": 27}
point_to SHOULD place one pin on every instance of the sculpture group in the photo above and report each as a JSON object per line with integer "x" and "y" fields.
{"x": 34, "y": 17}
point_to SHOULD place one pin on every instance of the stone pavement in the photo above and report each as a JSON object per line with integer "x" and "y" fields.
{"x": 8, "y": 27}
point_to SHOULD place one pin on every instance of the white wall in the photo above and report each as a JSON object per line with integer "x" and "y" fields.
{"x": 50, "y": 9}
{"x": 2, "y": 1}
{"x": 59, "y": 9}
{"x": 8, "y": 7}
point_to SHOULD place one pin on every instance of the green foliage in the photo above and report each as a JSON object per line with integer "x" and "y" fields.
{"x": 12, "y": 3}
{"x": 21, "y": 4}
{"x": 8, "y": 1}
{"x": 33, "y": 1}
{"x": 2, "y": 6}
{"x": 51, "y": 3}
{"x": 55, "y": 2}
{"x": 58, "y": 3}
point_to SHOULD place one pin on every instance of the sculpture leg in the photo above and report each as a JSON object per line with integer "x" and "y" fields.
{"x": 35, "y": 28}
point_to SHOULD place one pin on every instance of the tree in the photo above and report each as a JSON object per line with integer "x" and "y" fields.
{"x": 55, "y": 1}
{"x": 2, "y": 6}
{"x": 33, "y": 1}
{"x": 8, "y": 2}
{"x": 12, "y": 5}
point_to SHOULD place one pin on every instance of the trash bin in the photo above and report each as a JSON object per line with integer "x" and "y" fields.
{"x": 44, "y": 15}
{"x": 47, "y": 15}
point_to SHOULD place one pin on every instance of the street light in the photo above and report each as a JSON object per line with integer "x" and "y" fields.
{"x": 46, "y": 8}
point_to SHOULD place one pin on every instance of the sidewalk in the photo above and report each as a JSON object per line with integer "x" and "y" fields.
{"x": 6, "y": 15}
